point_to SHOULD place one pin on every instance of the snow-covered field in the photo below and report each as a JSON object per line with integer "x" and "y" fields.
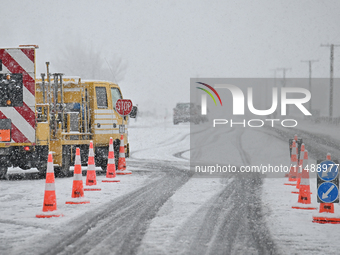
{"x": 153, "y": 141}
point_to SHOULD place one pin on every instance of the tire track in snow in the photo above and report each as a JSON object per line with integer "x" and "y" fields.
{"x": 120, "y": 227}
{"x": 214, "y": 138}
{"x": 231, "y": 223}
{"x": 165, "y": 144}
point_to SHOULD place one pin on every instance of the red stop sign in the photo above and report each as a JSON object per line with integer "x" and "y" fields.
{"x": 124, "y": 106}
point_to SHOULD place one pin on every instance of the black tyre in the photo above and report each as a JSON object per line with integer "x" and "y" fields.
{"x": 42, "y": 167}
{"x": 101, "y": 154}
{"x": 65, "y": 169}
{"x": 116, "y": 145}
{"x": 3, "y": 172}
{"x": 41, "y": 162}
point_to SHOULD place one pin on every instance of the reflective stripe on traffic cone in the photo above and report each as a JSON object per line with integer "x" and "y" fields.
{"x": 304, "y": 200}
{"x": 121, "y": 161}
{"x": 91, "y": 178}
{"x": 77, "y": 196}
{"x": 326, "y": 213}
{"x": 111, "y": 167}
{"x": 293, "y": 166}
{"x": 50, "y": 199}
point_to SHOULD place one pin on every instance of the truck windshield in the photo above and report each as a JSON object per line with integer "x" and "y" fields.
{"x": 115, "y": 93}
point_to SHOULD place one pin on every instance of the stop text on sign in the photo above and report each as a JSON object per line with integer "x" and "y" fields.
{"x": 124, "y": 106}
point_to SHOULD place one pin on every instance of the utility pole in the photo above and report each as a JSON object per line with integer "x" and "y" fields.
{"x": 284, "y": 70}
{"x": 310, "y": 78}
{"x": 331, "y": 77}
{"x": 271, "y": 91}
{"x": 275, "y": 71}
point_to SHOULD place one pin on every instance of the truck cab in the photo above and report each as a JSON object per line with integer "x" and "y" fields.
{"x": 86, "y": 112}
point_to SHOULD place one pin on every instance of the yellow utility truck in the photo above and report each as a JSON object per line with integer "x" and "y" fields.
{"x": 54, "y": 113}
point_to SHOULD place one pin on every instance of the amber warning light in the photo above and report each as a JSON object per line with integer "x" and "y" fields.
{"x": 5, "y": 135}
{"x": 5, "y": 130}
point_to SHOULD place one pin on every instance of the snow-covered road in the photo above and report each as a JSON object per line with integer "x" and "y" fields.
{"x": 162, "y": 209}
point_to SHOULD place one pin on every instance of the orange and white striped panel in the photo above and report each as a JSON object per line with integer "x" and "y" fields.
{"x": 21, "y": 60}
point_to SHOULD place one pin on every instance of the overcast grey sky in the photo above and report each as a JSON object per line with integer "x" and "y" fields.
{"x": 164, "y": 43}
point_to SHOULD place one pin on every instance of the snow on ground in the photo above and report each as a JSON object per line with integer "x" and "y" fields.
{"x": 267, "y": 150}
{"x": 152, "y": 139}
{"x": 223, "y": 139}
{"x": 19, "y": 171}
{"x": 292, "y": 229}
{"x": 21, "y": 200}
{"x": 176, "y": 211}
{"x": 158, "y": 139}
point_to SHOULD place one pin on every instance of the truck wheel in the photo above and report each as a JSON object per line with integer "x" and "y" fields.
{"x": 116, "y": 145}
{"x": 41, "y": 163}
{"x": 65, "y": 169}
{"x": 42, "y": 167}
{"x": 101, "y": 157}
{"x": 3, "y": 172}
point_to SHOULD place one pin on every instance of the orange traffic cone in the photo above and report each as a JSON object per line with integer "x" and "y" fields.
{"x": 293, "y": 166}
{"x": 111, "y": 167}
{"x": 121, "y": 161}
{"x": 77, "y": 196}
{"x": 50, "y": 199}
{"x": 91, "y": 178}
{"x": 326, "y": 212}
{"x": 304, "y": 200}
{"x": 301, "y": 166}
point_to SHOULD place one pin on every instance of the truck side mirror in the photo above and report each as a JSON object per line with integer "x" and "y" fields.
{"x": 133, "y": 113}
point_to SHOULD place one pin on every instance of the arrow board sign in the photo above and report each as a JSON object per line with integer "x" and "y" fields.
{"x": 327, "y": 181}
{"x": 328, "y": 170}
{"x": 328, "y": 192}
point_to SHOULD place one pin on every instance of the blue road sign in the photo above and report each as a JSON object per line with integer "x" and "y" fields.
{"x": 328, "y": 192}
{"x": 328, "y": 170}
